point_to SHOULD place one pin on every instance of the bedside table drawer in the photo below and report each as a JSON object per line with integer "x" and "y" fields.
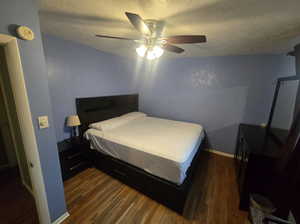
{"x": 70, "y": 152}
{"x": 77, "y": 166}
{"x": 72, "y": 158}
{"x": 69, "y": 171}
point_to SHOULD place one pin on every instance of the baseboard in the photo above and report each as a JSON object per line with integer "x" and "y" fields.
{"x": 220, "y": 153}
{"x": 61, "y": 218}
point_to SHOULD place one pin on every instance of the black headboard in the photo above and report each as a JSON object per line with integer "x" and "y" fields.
{"x": 93, "y": 109}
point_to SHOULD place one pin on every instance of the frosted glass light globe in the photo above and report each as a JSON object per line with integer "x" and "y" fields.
{"x": 141, "y": 51}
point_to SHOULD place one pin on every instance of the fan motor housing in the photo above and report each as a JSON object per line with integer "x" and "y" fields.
{"x": 154, "y": 26}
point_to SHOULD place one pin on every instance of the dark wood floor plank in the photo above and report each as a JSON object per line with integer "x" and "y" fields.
{"x": 17, "y": 205}
{"x": 94, "y": 197}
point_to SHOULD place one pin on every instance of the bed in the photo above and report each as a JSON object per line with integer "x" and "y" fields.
{"x": 158, "y": 157}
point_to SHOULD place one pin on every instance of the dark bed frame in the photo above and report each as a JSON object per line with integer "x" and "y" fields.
{"x": 167, "y": 193}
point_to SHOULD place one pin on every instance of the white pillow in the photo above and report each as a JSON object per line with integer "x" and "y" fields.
{"x": 133, "y": 115}
{"x": 108, "y": 124}
{"x": 116, "y": 121}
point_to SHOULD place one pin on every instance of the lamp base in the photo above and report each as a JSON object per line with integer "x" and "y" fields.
{"x": 73, "y": 136}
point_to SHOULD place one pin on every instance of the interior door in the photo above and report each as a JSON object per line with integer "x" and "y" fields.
{"x": 4, "y": 160}
{"x": 17, "y": 204}
{"x": 10, "y": 130}
{"x": 3, "y": 156}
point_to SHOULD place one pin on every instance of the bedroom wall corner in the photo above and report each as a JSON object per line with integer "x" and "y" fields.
{"x": 76, "y": 70}
{"x": 217, "y": 92}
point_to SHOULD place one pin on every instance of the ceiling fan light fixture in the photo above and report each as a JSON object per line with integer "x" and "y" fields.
{"x": 158, "y": 51}
{"x": 152, "y": 41}
{"x": 141, "y": 51}
{"x": 150, "y": 52}
{"x": 154, "y": 52}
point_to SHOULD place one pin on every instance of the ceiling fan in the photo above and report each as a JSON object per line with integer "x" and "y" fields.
{"x": 152, "y": 44}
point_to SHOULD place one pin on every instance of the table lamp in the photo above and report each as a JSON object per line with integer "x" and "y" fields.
{"x": 73, "y": 122}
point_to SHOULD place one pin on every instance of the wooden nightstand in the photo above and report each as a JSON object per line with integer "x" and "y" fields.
{"x": 73, "y": 157}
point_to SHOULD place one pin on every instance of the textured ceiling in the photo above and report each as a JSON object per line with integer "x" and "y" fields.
{"x": 232, "y": 27}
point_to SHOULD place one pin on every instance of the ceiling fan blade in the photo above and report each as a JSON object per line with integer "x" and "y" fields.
{"x": 172, "y": 48}
{"x": 185, "y": 39}
{"x": 138, "y": 23}
{"x": 112, "y": 37}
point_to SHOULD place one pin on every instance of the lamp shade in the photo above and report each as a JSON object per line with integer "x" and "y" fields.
{"x": 73, "y": 120}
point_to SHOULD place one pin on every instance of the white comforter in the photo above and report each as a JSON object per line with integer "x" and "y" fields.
{"x": 162, "y": 147}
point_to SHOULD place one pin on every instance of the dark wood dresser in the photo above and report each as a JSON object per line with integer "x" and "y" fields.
{"x": 73, "y": 156}
{"x": 256, "y": 156}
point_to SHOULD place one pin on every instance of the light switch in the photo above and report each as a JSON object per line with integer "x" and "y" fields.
{"x": 43, "y": 122}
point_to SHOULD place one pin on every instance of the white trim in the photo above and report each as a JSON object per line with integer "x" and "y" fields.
{"x": 220, "y": 153}
{"x": 17, "y": 81}
{"x": 11, "y": 129}
{"x": 28, "y": 188}
{"x": 61, "y": 218}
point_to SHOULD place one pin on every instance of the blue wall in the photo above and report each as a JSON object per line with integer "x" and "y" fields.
{"x": 25, "y": 13}
{"x": 297, "y": 58}
{"x": 217, "y": 92}
{"x": 76, "y": 70}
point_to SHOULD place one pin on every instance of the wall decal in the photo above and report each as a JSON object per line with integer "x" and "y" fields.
{"x": 203, "y": 78}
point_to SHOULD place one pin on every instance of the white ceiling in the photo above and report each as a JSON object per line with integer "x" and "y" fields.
{"x": 232, "y": 27}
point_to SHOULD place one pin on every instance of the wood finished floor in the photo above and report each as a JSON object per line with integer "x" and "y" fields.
{"x": 17, "y": 205}
{"x": 94, "y": 197}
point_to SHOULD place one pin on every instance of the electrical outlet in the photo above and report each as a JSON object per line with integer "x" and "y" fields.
{"x": 43, "y": 122}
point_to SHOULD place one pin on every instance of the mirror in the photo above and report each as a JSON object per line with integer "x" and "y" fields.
{"x": 285, "y": 106}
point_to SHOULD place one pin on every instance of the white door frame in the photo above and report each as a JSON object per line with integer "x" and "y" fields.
{"x": 17, "y": 81}
{"x": 12, "y": 132}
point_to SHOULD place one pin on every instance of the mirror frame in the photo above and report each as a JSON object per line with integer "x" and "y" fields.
{"x": 278, "y": 85}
